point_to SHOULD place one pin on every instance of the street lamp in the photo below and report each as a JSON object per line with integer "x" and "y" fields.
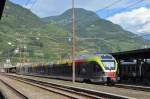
{"x": 10, "y": 44}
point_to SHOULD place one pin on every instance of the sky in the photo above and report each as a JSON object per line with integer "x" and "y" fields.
{"x": 132, "y": 15}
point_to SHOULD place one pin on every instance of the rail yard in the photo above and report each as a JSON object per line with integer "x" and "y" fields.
{"x": 86, "y": 90}
{"x": 74, "y": 49}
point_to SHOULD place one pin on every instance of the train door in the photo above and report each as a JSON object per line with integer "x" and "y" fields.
{"x": 96, "y": 70}
{"x": 85, "y": 71}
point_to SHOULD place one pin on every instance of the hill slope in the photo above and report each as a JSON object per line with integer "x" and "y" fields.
{"x": 20, "y": 27}
{"x": 109, "y": 37}
{"x": 48, "y": 39}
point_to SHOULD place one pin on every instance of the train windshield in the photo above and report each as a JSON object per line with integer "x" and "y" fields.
{"x": 109, "y": 64}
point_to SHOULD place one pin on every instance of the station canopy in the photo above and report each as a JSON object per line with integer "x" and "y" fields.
{"x": 134, "y": 54}
{"x": 2, "y": 4}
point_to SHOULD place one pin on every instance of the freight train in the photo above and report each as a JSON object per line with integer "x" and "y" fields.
{"x": 101, "y": 68}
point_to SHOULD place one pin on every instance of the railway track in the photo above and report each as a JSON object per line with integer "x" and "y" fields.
{"x": 16, "y": 92}
{"x": 141, "y": 88}
{"x": 125, "y": 86}
{"x": 134, "y": 87}
{"x": 69, "y": 91}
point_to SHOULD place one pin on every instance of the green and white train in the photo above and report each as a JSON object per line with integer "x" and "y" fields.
{"x": 94, "y": 68}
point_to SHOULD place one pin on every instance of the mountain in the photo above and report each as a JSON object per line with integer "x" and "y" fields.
{"x": 19, "y": 27}
{"x": 16, "y": 22}
{"x": 109, "y": 37}
{"x": 145, "y": 36}
{"x": 20, "y": 19}
{"x": 49, "y": 38}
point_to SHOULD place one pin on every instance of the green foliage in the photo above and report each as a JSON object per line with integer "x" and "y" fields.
{"x": 109, "y": 37}
{"x": 48, "y": 38}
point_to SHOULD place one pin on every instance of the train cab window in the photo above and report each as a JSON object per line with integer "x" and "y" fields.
{"x": 95, "y": 68}
{"x": 109, "y": 64}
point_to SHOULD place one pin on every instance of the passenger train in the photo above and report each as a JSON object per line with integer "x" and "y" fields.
{"x": 132, "y": 70}
{"x": 101, "y": 68}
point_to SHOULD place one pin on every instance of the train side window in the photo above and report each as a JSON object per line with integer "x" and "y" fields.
{"x": 96, "y": 68}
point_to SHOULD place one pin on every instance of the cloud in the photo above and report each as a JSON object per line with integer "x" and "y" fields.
{"x": 44, "y": 8}
{"x": 137, "y": 20}
{"x": 145, "y": 28}
{"x": 123, "y": 6}
{"x": 50, "y": 7}
{"x": 55, "y": 7}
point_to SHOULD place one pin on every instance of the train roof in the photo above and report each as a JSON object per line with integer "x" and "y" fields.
{"x": 135, "y": 54}
{"x": 78, "y": 59}
{"x": 87, "y": 57}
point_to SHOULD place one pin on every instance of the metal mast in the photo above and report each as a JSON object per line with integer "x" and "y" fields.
{"x": 73, "y": 42}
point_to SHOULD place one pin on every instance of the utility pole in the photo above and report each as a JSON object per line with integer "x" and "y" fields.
{"x": 73, "y": 42}
{"x": 18, "y": 44}
{"x": 24, "y": 50}
{"x": 20, "y": 50}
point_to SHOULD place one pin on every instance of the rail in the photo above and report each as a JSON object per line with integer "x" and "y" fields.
{"x": 71, "y": 89}
{"x": 19, "y": 94}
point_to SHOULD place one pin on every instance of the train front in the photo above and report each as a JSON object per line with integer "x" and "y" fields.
{"x": 110, "y": 68}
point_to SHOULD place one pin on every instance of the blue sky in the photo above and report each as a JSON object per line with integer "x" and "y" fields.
{"x": 45, "y": 8}
{"x": 117, "y": 13}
